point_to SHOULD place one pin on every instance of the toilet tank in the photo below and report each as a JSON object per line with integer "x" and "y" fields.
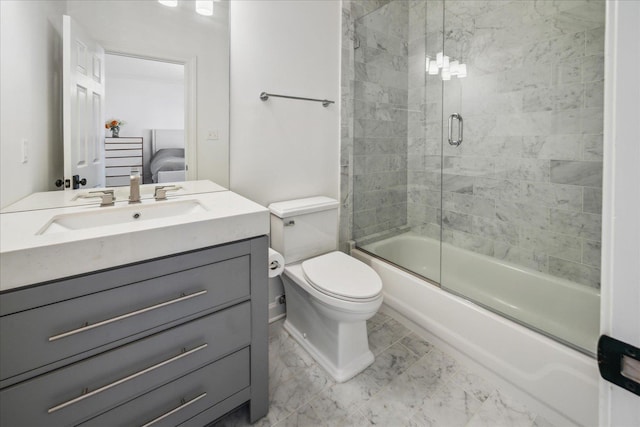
{"x": 304, "y": 228}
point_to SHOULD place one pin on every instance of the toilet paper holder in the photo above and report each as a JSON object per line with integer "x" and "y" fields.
{"x": 274, "y": 265}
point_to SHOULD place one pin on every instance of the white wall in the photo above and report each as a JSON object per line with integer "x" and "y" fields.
{"x": 142, "y": 101}
{"x": 144, "y": 104}
{"x": 283, "y": 149}
{"x": 620, "y": 305}
{"x": 148, "y": 29}
{"x": 30, "y": 108}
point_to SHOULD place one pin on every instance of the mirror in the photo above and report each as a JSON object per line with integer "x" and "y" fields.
{"x": 139, "y": 29}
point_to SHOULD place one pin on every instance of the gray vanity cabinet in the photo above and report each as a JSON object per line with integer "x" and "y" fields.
{"x": 181, "y": 339}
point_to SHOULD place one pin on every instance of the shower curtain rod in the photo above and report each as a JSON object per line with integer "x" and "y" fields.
{"x": 325, "y": 103}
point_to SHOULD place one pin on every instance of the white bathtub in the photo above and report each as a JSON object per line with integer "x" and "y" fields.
{"x": 552, "y": 374}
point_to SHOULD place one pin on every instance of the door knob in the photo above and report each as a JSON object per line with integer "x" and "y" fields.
{"x": 77, "y": 182}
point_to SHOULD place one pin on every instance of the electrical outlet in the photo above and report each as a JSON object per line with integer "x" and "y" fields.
{"x": 25, "y": 151}
{"x": 212, "y": 134}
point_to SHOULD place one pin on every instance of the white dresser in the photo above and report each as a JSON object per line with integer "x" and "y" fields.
{"x": 122, "y": 154}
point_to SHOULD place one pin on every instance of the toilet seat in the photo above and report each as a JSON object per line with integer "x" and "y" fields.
{"x": 340, "y": 276}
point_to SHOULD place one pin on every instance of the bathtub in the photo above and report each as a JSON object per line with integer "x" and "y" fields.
{"x": 554, "y": 376}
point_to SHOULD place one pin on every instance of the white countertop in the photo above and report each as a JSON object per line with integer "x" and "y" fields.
{"x": 27, "y": 257}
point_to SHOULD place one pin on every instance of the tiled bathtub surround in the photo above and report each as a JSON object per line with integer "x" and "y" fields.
{"x": 351, "y": 10}
{"x": 525, "y": 185}
{"x": 380, "y": 120}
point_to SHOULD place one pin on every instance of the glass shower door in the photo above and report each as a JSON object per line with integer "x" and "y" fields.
{"x": 521, "y": 164}
{"x": 471, "y": 143}
{"x": 397, "y": 130}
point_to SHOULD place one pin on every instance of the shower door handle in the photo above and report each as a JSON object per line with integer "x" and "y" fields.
{"x": 458, "y": 141}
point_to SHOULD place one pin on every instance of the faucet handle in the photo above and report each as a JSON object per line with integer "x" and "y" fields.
{"x": 160, "y": 191}
{"x": 107, "y": 196}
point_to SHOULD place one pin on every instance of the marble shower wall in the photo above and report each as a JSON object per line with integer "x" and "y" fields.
{"x": 424, "y": 174}
{"x": 380, "y": 120}
{"x": 351, "y": 10}
{"x": 525, "y": 185}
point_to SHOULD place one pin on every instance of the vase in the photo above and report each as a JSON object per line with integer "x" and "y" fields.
{"x": 115, "y": 131}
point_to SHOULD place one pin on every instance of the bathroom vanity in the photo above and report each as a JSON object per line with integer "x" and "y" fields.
{"x": 176, "y": 338}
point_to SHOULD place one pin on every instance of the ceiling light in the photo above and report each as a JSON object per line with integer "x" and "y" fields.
{"x": 170, "y": 3}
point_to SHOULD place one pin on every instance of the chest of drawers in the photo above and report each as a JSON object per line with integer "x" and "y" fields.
{"x": 179, "y": 339}
{"x": 120, "y": 156}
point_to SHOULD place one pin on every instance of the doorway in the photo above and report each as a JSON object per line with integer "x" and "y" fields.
{"x": 145, "y": 99}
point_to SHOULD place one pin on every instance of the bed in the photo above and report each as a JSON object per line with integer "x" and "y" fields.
{"x": 167, "y": 155}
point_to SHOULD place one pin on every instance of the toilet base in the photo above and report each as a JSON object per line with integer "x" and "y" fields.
{"x": 334, "y": 336}
{"x": 342, "y": 374}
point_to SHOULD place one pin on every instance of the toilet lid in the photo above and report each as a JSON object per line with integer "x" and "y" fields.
{"x": 340, "y": 275}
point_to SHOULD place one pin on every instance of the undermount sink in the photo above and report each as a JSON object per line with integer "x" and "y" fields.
{"x": 105, "y": 216}
{"x": 32, "y": 241}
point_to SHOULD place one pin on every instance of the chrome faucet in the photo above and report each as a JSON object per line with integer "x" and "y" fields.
{"x": 107, "y": 197}
{"x": 160, "y": 192}
{"x": 134, "y": 186}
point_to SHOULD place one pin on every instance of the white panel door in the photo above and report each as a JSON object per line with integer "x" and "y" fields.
{"x": 620, "y": 314}
{"x": 83, "y": 105}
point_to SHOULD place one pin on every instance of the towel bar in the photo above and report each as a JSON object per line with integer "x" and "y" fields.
{"x": 325, "y": 103}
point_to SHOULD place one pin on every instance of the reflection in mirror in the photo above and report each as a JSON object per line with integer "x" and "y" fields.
{"x": 32, "y": 112}
{"x": 145, "y": 111}
{"x": 59, "y": 199}
{"x": 83, "y": 94}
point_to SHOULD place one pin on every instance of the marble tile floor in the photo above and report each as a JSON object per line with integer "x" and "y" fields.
{"x": 411, "y": 383}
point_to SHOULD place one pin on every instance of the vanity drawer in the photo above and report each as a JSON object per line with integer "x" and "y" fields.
{"x": 123, "y": 161}
{"x": 124, "y": 153}
{"x": 78, "y": 392}
{"x": 111, "y": 144}
{"x": 37, "y": 337}
{"x": 122, "y": 146}
{"x": 117, "y": 181}
{"x": 179, "y": 400}
{"x": 118, "y": 171}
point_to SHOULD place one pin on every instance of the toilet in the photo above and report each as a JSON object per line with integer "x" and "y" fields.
{"x": 330, "y": 295}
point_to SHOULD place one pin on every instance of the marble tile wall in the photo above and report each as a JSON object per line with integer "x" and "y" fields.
{"x": 525, "y": 185}
{"x": 351, "y": 11}
{"x": 346, "y": 128}
{"x": 379, "y": 150}
{"x": 424, "y": 175}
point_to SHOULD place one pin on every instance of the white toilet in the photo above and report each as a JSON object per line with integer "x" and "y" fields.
{"x": 330, "y": 295}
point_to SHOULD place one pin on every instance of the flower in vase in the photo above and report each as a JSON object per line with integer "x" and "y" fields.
{"x": 114, "y": 123}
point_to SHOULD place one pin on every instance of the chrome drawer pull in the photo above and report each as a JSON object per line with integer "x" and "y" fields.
{"x": 173, "y": 411}
{"x": 86, "y": 395}
{"x": 125, "y": 316}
